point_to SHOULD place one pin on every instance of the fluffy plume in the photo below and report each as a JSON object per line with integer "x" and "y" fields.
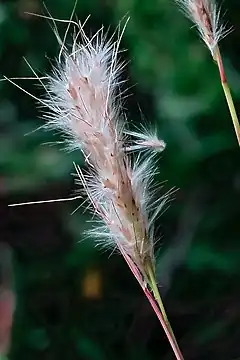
{"x": 205, "y": 14}
{"x": 83, "y": 100}
{"x": 83, "y": 96}
{"x": 145, "y": 141}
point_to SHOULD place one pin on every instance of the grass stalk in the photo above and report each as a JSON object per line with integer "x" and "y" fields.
{"x": 156, "y": 307}
{"x": 157, "y": 296}
{"x": 227, "y": 93}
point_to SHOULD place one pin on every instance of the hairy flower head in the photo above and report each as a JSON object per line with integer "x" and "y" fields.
{"x": 145, "y": 141}
{"x": 83, "y": 98}
{"x": 83, "y": 101}
{"x": 205, "y": 14}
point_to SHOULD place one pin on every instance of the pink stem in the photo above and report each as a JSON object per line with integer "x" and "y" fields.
{"x": 176, "y": 351}
{"x": 150, "y": 298}
{"x": 220, "y": 67}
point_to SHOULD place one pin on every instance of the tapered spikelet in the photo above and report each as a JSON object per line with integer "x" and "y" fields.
{"x": 205, "y": 14}
{"x": 83, "y": 98}
{"x": 145, "y": 141}
{"x": 83, "y": 101}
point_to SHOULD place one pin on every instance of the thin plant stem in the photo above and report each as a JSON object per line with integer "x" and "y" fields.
{"x": 155, "y": 307}
{"x": 227, "y": 92}
{"x": 156, "y": 293}
{"x": 167, "y": 330}
{"x": 157, "y": 296}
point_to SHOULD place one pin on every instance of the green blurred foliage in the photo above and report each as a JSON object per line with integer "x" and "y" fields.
{"x": 176, "y": 87}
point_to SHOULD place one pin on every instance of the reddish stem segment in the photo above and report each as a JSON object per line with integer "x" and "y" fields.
{"x": 175, "y": 348}
{"x": 153, "y": 303}
{"x": 227, "y": 93}
{"x": 220, "y": 67}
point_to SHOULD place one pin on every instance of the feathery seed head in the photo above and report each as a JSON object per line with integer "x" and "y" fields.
{"x": 83, "y": 99}
{"x": 83, "y": 103}
{"x": 82, "y": 92}
{"x": 145, "y": 141}
{"x": 205, "y": 14}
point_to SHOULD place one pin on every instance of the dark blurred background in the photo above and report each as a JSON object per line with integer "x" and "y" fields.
{"x": 75, "y": 301}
